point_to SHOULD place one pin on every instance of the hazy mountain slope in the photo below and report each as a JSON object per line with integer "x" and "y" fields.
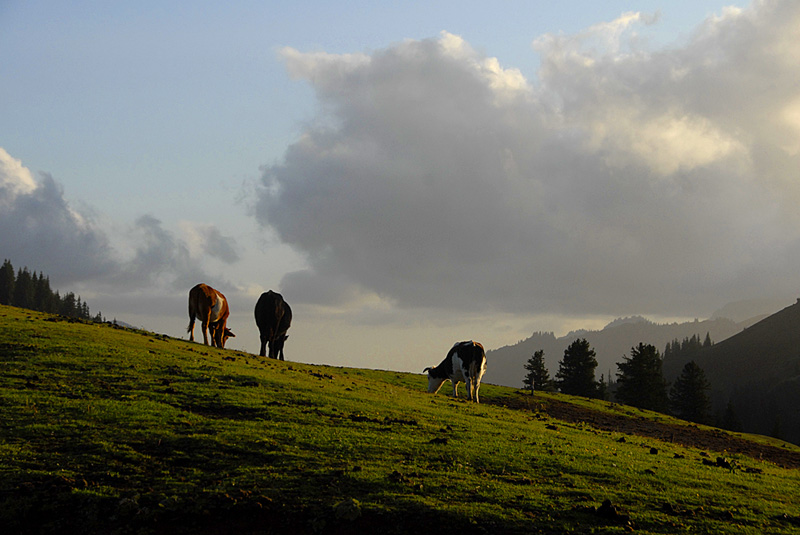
{"x": 505, "y": 364}
{"x": 758, "y": 369}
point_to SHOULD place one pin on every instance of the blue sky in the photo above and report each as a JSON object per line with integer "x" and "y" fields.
{"x": 302, "y": 147}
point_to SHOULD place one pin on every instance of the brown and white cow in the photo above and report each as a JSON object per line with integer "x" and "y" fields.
{"x": 211, "y": 308}
{"x": 273, "y": 317}
{"x": 466, "y": 361}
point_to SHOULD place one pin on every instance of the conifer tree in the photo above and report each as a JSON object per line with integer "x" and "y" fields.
{"x": 688, "y": 397}
{"x": 7, "y": 280}
{"x": 68, "y": 305}
{"x": 640, "y": 381}
{"x": 23, "y": 289}
{"x": 32, "y": 291}
{"x": 538, "y": 378}
{"x": 576, "y": 370}
{"x": 730, "y": 420}
{"x": 707, "y": 342}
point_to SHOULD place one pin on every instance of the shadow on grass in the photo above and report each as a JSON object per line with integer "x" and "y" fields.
{"x": 331, "y": 503}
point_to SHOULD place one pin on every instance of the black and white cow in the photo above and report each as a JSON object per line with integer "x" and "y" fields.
{"x": 466, "y": 361}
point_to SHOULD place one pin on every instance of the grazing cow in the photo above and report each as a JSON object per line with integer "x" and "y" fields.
{"x": 466, "y": 361}
{"x": 273, "y": 317}
{"x": 211, "y": 308}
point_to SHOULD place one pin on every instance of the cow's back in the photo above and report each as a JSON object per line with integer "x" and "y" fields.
{"x": 269, "y": 311}
{"x": 199, "y": 300}
{"x": 472, "y": 359}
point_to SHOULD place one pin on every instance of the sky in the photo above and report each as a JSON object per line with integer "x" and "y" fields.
{"x": 406, "y": 174}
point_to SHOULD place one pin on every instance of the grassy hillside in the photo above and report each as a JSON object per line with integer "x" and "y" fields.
{"x": 105, "y": 430}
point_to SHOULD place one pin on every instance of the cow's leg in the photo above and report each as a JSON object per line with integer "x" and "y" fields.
{"x": 191, "y": 327}
{"x": 219, "y": 331}
{"x": 477, "y": 386}
{"x": 212, "y": 333}
{"x": 279, "y": 347}
{"x": 469, "y": 383}
{"x": 455, "y": 388}
{"x": 205, "y": 330}
{"x": 263, "y": 351}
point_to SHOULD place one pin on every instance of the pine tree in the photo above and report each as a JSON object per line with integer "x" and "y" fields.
{"x": 688, "y": 397}
{"x": 23, "y": 289}
{"x": 42, "y": 294}
{"x": 707, "y": 342}
{"x": 640, "y": 381}
{"x": 730, "y": 420}
{"x": 68, "y": 305}
{"x": 576, "y": 370}
{"x": 538, "y": 377}
{"x": 7, "y": 280}
{"x": 602, "y": 388}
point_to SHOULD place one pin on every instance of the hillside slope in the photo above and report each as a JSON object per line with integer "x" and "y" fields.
{"x": 107, "y": 430}
{"x": 758, "y": 371}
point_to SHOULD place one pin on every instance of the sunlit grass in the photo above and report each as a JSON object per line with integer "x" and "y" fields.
{"x": 112, "y": 430}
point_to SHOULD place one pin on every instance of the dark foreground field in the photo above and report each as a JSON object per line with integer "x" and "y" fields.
{"x": 107, "y": 430}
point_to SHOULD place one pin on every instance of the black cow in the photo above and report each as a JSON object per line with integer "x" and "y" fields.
{"x": 273, "y": 317}
{"x": 466, "y": 361}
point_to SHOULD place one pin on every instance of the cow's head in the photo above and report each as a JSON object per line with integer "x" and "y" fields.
{"x": 227, "y": 333}
{"x": 434, "y": 383}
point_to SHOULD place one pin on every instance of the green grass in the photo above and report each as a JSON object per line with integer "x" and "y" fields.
{"x": 105, "y": 430}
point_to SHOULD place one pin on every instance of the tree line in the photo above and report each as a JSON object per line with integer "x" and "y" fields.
{"x": 33, "y": 291}
{"x": 639, "y": 380}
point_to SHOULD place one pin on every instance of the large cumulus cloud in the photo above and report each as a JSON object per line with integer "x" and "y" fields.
{"x": 620, "y": 181}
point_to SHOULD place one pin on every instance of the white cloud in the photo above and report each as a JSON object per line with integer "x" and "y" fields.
{"x": 622, "y": 181}
{"x": 203, "y": 238}
{"x": 40, "y": 229}
{"x": 15, "y": 179}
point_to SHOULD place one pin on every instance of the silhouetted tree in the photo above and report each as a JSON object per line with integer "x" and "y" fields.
{"x": 68, "y": 304}
{"x": 538, "y": 377}
{"x": 23, "y": 289}
{"x": 730, "y": 420}
{"x": 688, "y": 397}
{"x": 7, "y": 283}
{"x": 576, "y": 370}
{"x": 42, "y": 294}
{"x": 33, "y": 291}
{"x": 687, "y": 349}
{"x": 640, "y": 381}
{"x": 603, "y": 390}
{"x": 707, "y": 342}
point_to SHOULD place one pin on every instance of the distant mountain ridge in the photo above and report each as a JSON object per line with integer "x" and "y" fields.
{"x": 505, "y": 364}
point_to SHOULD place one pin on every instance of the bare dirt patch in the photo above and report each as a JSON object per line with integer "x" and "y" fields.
{"x": 714, "y": 440}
